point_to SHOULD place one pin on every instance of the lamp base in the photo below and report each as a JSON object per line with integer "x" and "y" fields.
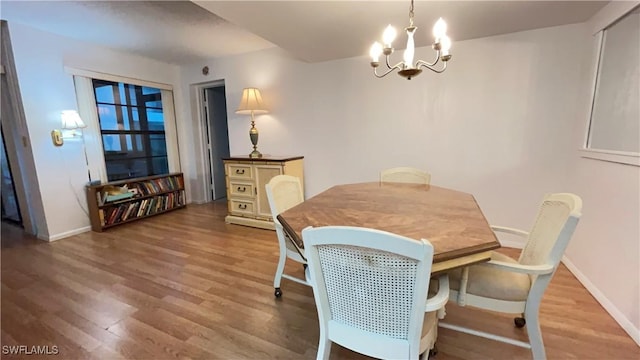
{"x": 255, "y": 154}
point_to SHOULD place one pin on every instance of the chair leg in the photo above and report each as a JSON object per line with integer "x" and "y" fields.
{"x": 533, "y": 329}
{"x": 278, "y": 277}
{"x": 324, "y": 348}
{"x": 462, "y": 292}
{"x": 429, "y": 353}
{"x": 434, "y": 351}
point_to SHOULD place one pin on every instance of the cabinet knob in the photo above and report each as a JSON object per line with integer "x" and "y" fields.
{"x": 242, "y": 206}
{"x": 240, "y": 171}
{"x": 242, "y": 189}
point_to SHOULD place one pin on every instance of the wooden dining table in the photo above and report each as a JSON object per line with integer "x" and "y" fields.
{"x": 450, "y": 220}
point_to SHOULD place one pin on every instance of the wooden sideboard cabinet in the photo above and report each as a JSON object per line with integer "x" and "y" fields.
{"x": 246, "y": 179}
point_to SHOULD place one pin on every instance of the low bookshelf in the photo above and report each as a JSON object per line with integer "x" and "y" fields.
{"x": 119, "y": 202}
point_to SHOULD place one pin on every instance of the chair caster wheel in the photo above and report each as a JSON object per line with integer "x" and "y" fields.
{"x": 433, "y": 352}
{"x": 520, "y": 322}
{"x": 278, "y": 293}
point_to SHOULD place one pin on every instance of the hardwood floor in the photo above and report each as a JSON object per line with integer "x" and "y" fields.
{"x": 187, "y": 285}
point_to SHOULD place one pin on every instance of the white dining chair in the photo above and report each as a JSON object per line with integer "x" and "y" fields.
{"x": 405, "y": 175}
{"x": 370, "y": 289}
{"x": 516, "y": 287}
{"x": 283, "y": 193}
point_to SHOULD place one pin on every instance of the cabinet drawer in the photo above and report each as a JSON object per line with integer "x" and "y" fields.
{"x": 241, "y": 189}
{"x": 239, "y": 171}
{"x": 241, "y": 207}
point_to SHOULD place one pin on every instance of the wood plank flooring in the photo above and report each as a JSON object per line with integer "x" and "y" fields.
{"x": 185, "y": 285}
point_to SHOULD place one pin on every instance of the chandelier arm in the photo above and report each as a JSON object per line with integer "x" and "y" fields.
{"x": 398, "y": 66}
{"x": 386, "y": 72}
{"x": 389, "y": 65}
{"x": 424, "y": 63}
{"x": 432, "y": 68}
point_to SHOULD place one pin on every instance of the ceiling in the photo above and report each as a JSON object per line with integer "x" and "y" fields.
{"x": 177, "y": 32}
{"x": 185, "y": 32}
{"x": 326, "y": 30}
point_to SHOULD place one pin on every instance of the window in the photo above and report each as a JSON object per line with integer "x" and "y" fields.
{"x": 132, "y": 127}
{"x": 614, "y": 127}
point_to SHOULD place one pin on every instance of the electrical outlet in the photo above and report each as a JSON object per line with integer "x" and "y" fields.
{"x": 56, "y": 137}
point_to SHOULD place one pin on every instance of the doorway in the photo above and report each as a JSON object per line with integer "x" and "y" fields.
{"x": 216, "y": 138}
{"x": 10, "y": 208}
{"x": 21, "y": 200}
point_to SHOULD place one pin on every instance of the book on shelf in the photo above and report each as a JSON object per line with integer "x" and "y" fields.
{"x": 129, "y": 208}
{"x": 113, "y": 213}
{"x": 101, "y": 197}
{"x": 141, "y": 207}
{"x": 116, "y": 197}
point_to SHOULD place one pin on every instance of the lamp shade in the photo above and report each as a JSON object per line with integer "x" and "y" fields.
{"x": 71, "y": 120}
{"x": 251, "y": 102}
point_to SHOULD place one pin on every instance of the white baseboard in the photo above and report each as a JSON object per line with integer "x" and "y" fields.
{"x": 513, "y": 244}
{"x": 65, "y": 234}
{"x": 617, "y": 315}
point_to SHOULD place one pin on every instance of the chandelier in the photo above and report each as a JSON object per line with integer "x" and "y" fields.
{"x": 407, "y": 68}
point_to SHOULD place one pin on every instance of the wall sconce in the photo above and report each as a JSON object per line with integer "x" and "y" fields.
{"x": 71, "y": 122}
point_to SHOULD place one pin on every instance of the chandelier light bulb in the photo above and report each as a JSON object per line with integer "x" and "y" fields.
{"x": 389, "y": 35}
{"x": 445, "y": 45}
{"x": 375, "y": 51}
{"x": 439, "y": 29}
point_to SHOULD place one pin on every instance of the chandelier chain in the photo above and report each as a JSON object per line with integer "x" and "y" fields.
{"x": 411, "y": 14}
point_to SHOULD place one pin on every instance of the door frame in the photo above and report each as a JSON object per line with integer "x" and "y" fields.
{"x": 204, "y": 124}
{"x": 18, "y": 146}
{"x": 3, "y": 148}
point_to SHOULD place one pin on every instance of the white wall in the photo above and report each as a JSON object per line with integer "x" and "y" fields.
{"x": 605, "y": 251}
{"x": 500, "y": 123}
{"x": 606, "y": 255}
{"x": 494, "y": 124}
{"x": 46, "y": 90}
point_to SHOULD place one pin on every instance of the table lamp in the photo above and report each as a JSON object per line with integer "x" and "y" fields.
{"x": 252, "y": 103}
